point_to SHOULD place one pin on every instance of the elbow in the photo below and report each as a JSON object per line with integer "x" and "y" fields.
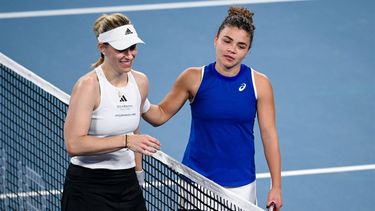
{"x": 154, "y": 122}
{"x": 160, "y": 122}
{"x": 157, "y": 124}
{"x": 71, "y": 151}
{"x": 156, "y": 116}
{"x": 71, "y": 148}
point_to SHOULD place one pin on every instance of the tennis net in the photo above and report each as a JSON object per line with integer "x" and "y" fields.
{"x": 33, "y": 160}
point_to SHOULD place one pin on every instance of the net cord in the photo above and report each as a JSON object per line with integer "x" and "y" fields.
{"x": 37, "y": 80}
{"x": 204, "y": 182}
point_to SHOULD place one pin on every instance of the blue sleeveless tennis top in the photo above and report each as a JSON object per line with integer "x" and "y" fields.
{"x": 221, "y": 142}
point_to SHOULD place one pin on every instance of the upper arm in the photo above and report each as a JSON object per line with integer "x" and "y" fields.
{"x": 142, "y": 83}
{"x": 84, "y": 98}
{"x": 184, "y": 88}
{"x": 265, "y": 104}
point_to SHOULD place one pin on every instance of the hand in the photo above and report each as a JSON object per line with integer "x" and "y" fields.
{"x": 274, "y": 196}
{"x": 140, "y": 177}
{"x": 144, "y": 144}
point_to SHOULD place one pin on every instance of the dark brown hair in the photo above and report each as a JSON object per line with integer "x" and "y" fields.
{"x": 241, "y": 18}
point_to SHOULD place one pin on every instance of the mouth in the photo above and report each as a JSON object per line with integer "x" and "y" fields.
{"x": 229, "y": 58}
{"x": 126, "y": 62}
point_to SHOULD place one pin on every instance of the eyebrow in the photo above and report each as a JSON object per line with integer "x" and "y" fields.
{"x": 241, "y": 43}
{"x": 226, "y": 36}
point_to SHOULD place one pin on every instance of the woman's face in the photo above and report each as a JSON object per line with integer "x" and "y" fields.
{"x": 232, "y": 46}
{"x": 120, "y": 60}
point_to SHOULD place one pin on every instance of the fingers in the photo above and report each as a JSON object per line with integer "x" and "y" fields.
{"x": 274, "y": 197}
{"x": 152, "y": 142}
{"x": 144, "y": 144}
{"x": 273, "y": 206}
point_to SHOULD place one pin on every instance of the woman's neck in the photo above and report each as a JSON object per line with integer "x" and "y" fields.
{"x": 116, "y": 78}
{"x": 229, "y": 72}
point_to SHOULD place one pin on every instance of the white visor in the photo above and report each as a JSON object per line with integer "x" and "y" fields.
{"x": 121, "y": 37}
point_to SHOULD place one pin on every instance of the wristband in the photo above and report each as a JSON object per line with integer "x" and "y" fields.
{"x": 140, "y": 177}
{"x": 146, "y": 106}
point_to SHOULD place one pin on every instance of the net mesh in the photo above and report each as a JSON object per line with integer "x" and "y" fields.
{"x": 33, "y": 160}
{"x": 32, "y": 152}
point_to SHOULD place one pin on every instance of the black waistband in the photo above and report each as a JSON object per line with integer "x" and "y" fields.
{"x": 76, "y": 170}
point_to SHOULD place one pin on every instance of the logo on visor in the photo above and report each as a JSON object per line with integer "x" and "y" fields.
{"x": 128, "y": 32}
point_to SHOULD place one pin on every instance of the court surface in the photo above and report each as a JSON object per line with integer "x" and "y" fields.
{"x": 319, "y": 56}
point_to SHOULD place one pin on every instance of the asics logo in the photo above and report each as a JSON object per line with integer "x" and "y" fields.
{"x": 242, "y": 87}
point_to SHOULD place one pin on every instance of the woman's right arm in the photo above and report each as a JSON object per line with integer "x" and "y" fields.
{"x": 84, "y": 98}
{"x": 183, "y": 89}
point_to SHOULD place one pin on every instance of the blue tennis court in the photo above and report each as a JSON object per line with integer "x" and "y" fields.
{"x": 319, "y": 56}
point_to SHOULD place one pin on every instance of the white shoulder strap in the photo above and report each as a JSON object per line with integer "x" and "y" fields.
{"x": 254, "y": 85}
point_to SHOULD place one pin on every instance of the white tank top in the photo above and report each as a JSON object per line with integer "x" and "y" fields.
{"x": 118, "y": 113}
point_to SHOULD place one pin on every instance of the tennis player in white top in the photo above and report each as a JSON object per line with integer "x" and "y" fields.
{"x": 101, "y": 129}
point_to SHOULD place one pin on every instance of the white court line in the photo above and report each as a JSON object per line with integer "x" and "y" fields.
{"x": 259, "y": 176}
{"x": 140, "y": 7}
{"x": 320, "y": 171}
{"x": 30, "y": 194}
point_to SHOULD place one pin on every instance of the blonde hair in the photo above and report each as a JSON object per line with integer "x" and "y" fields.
{"x": 105, "y": 23}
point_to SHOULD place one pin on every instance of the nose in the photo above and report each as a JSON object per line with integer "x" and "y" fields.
{"x": 231, "y": 49}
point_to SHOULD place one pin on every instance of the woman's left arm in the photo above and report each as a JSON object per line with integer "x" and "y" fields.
{"x": 138, "y": 165}
{"x": 267, "y": 124}
{"x": 142, "y": 82}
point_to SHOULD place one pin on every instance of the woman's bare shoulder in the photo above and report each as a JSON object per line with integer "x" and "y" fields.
{"x": 87, "y": 83}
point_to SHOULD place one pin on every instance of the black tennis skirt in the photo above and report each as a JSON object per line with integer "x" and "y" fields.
{"x": 101, "y": 189}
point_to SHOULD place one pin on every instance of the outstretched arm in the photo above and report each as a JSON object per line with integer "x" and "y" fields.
{"x": 184, "y": 88}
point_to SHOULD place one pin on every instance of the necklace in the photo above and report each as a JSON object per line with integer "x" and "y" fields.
{"x": 120, "y": 93}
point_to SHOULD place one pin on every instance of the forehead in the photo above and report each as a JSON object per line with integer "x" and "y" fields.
{"x": 236, "y": 34}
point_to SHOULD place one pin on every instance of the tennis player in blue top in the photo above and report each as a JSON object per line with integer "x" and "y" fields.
{"x": 225, "y": 98}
